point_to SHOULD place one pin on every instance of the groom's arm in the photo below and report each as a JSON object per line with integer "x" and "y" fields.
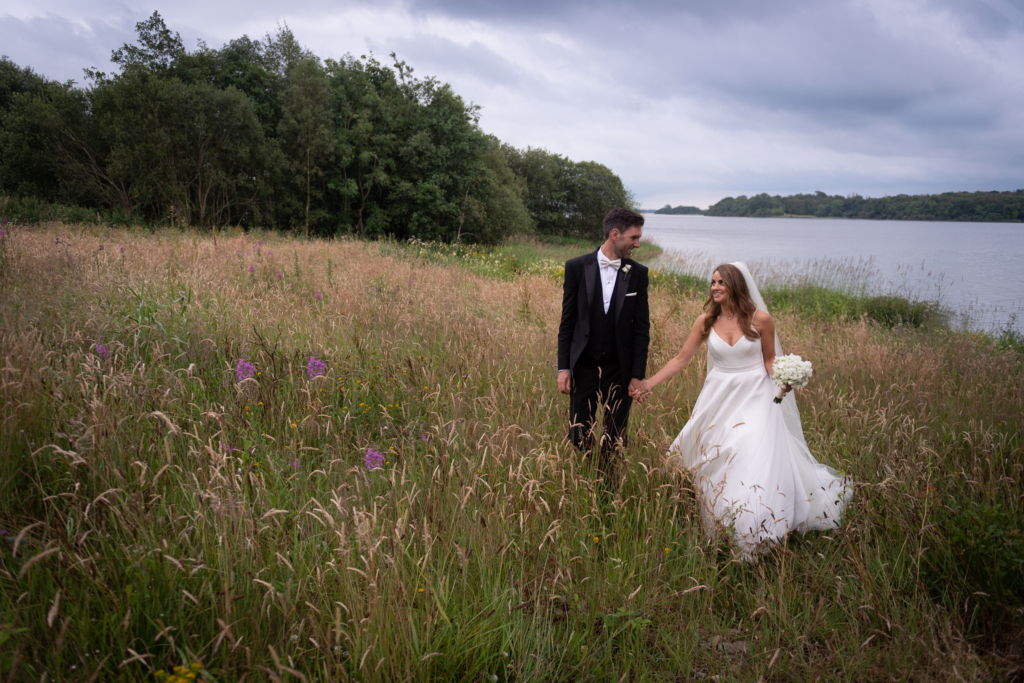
{"x": 641, "y": 328}
{"x": 567, "y": 327}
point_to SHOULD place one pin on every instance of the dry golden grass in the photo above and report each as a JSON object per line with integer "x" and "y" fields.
{"x": 162, "y": 513}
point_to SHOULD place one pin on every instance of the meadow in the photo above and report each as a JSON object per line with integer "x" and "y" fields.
{"x": 244, "y": 457}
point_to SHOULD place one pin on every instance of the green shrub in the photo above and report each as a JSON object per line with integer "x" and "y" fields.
{"x": 892, "y": 310}
{"x": 977, "y": 557}
{"x": 30, "y": 210}
{"x": 1008, "y": 338}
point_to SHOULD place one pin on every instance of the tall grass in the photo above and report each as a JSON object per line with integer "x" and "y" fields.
{"x": 158, "y": 511}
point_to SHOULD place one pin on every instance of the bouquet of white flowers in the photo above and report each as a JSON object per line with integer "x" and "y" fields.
{"x": 791, "y": 370}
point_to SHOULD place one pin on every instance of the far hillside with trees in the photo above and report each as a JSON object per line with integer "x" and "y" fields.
{"x": 263, "y": 133}
{"x": 992, "y": 207}
{"x": 680, "y": 210}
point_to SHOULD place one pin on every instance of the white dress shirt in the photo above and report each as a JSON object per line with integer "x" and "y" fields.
{"x": 608, "y": 275}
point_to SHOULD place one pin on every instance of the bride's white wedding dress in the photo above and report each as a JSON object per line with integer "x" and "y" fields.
{"x": 753, "y": 470}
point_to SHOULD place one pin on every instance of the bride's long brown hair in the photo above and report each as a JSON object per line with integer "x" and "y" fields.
{"x": 741, "y": 301}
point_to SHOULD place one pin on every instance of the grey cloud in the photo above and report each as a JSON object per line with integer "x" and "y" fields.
{"x": 434, "y": 54}
{"x": 781, "y": 97}
{"x": 69, "y": 46}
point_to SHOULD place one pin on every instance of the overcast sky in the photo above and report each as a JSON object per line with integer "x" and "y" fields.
{"x": 688, "y": 101}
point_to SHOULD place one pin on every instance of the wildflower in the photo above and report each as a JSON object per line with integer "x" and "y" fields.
{"x": 279, "y": 276}
{"x": 426, "y": 438}
{"x": 122, "y": 249}
{"x": 295, "y": 462}
{"x": 596, "y": 539}
{"x": 316, "y": 367}
{"x": 103, "y": 351}
{"x": 666, "y": 551}
{"x": 244, "y": 370}
{"x": 319, "y": 296}
{"x": 252, "y": 268}
{"x": 374, "y": 459}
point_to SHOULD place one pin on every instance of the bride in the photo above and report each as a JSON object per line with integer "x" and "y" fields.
{"x": 754, "y": 472}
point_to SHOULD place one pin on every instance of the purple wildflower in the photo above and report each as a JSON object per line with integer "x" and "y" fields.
{"x": 269, "y": 253}
{"x": 245, "y": 370}
{"x": 3, "y": 532}
{"x": 374, "y": 459}
{"x": 426, "y": 438}
{"x": 122, "y": 249}
{"x": 295, "y": 463}
{"x": 225, "y": 446}
{"x": 279, "y": 276}
{"x": 252, "y": 268}
{"x": 2, "y": 234}
{"x": 316, "y": 367}
{"x": 319, "y": 296}
{"x": 103, "y": 351}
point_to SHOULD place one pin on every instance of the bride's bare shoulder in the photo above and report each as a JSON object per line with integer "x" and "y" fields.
{"x": 761, "y": 317}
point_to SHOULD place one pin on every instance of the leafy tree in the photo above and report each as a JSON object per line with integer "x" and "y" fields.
{"x": 193, "y": 153}
{"x": 260, "y": 132}
{"x": 566, "y": 197}
{"x": 306, "y": 125}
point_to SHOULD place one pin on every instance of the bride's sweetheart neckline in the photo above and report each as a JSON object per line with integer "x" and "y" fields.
{"x": 731, "y": 346}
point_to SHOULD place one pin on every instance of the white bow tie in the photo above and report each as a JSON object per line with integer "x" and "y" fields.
{"x": 605, "y": 262}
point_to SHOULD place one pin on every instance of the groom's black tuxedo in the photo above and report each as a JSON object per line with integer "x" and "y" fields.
{"x": 603, "y": 351}
{"x": 630, "y": 320}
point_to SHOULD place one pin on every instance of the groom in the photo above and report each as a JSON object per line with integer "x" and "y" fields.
{"x": 603, "y": 337}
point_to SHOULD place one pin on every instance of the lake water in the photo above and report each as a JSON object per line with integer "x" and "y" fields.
{"x": 974, "y": 268}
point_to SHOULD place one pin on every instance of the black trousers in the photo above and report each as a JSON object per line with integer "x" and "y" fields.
{"x": 595, "y": 383}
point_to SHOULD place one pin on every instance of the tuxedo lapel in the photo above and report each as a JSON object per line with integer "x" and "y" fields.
{"x": 620, "y": 290}
{"x": 590, "y": 271}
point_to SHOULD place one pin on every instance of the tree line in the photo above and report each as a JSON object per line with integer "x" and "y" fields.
{"x": 670, "y": 210}
{"x": 262, "y": 132}
{"x": 948, "y": 206}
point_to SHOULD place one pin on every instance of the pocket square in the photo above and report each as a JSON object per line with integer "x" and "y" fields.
{"x": 631, "y": 294}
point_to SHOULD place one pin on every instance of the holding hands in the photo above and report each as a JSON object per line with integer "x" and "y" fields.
{"x": 639, "y": 390}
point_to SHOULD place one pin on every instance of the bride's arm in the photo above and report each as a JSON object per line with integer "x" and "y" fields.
{"x": 681, "y": 359}
{"x": 765, "y": 327}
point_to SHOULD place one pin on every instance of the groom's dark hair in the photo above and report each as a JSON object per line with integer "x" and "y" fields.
{"x": 623, "y": 219}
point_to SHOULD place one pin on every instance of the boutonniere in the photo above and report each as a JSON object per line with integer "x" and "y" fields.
{"x": 625, "y": 269}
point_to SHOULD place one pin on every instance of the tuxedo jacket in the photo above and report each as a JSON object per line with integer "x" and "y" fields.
{"x": 629, "y": 306}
